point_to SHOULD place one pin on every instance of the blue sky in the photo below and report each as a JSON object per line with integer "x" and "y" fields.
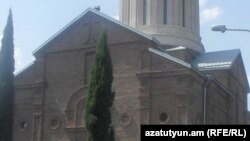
{"x": 37, "y": 20}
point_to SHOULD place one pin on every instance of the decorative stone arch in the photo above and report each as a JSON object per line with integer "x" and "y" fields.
{"x": 75, "y": 127}
{"x": 75, "y": 108}
{"x": 80, "y": 108}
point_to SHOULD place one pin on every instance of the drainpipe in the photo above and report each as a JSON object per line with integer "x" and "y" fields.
{"x": 205, "y": 87}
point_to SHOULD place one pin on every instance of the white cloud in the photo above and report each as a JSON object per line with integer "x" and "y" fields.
{"x": 18, "y": 59}
{"x": 202, "y": 3}
{"x": 210, "y": 14}
{"x": 116, "y": 17}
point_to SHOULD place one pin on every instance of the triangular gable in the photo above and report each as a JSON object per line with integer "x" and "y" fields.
{"x": 45, "y": 44}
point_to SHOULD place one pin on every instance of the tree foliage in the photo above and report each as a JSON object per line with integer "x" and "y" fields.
{"x": 100, "y": 96}
{"x": 6, "y": 81}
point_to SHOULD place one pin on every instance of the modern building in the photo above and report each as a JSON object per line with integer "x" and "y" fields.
{"x": 162, "y": 74}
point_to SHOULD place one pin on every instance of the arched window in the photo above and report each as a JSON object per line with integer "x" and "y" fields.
{"x": 165, "y": 11}
{"x": 129, "y": 11}
{"x": 183, "y": 13}
{"x": 145, "y": 10}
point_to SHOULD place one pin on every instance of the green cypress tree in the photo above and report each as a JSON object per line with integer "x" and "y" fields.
{"x": 100, "y": 96}
{"x": 6, "y": 81}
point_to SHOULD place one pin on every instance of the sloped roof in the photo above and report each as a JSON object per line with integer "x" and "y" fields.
{"x": 207, "y": 61}
{"x": 99, "y": 14}
{"x": 169, "y": 57}
{"x": 220, "y": 60}
{"x": 216, "y": 60}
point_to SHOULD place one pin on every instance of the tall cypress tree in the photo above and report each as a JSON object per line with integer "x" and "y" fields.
{"x": 100, "y": 96}
{"x": 6, "y": 81}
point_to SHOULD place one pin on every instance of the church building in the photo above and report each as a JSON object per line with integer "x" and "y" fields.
{"x": 162, "y": 74}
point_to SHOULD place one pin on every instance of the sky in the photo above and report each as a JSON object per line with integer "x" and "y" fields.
{"x": 35, "y": 21}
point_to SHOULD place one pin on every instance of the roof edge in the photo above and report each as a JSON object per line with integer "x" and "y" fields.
{"x": 36, "y": 51}
{"x": 23, "y": 69}
{"x": 189, "y": 66}
{"x": 165, "y": 55}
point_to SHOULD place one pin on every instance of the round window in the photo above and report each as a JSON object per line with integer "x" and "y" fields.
{"x": 125, "y": 120}
{"x": 163, "y": 118}
{"x": 55, "y": 123}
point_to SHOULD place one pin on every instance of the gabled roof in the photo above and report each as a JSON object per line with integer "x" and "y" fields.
{"x": 220, "y": 60}
{"x": 216, "y": 60}
{"x": 99, "y": 14}
{"x": 178, "y": 61}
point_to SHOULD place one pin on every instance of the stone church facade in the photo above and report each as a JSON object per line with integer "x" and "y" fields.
{"x": 162, "y": 74}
